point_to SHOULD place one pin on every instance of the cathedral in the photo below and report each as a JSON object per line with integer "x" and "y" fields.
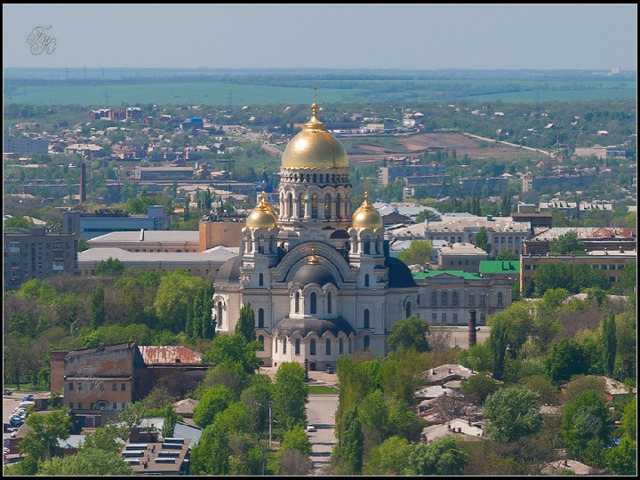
{"x": 319, "y": 280}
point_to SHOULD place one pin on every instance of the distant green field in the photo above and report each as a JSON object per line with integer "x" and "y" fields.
{"x": 283, "y": 90}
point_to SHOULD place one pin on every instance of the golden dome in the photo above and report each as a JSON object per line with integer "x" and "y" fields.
{"x": 262, "y": 216}
{"x": 314, "y": 147}
{"x": 366, "y": 216}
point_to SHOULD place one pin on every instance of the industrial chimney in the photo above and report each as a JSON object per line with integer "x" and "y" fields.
{"x": 472, "y": 328}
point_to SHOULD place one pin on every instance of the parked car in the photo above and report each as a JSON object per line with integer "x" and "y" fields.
{"x": 28, "y": 398}
{"x": 15, "y": 422}
{"x": 8, "y": 392}
{"x": 329, "y": 369}
{"x": 311, "y": 428}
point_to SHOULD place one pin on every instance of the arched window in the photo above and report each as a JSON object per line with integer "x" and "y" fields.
{"x": 338, "y": 206}
{"x": 219, "y": 314}
{"x": 260, "y": 318}
{"x": 500, "y": 299}
{"x": 314, "y": 205}
{"x": 315, "y": 178}
{"x": 408, "y": 310}
{"x": 312, "y": 303}
{"x": 327, "y": 206}
{"x": 349, "y": 345}
{"x": 297, "y": 346}
{"x": 261, "y": 340}
{"x": 297, "y": 302}
{"x": 276, "y": 342}
{"x": 261, "y": 279}
{"x": 329, "y": 302}
{"x": 327, "y": 346}
{"x": 366, "y": 279}
{"x": 340, "y": 347}
{"x": 289, "y": 205}
{"x": 366, "y": 342}
{"x": 284, "y": 346}
{"x": 312, "y": 346}
{"x": 366, "y": 318}
{"x": 367, "y": 246}
{"x": 301, "y": 205}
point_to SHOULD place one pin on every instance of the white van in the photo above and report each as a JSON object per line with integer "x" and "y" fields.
{"x": 25, "y": 405}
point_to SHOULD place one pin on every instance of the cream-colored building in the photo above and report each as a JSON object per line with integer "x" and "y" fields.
{"x": 461, "y": 256}
{"x": 320, "y": 281}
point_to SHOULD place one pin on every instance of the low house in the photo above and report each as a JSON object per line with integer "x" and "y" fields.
{"x": 462, "y": 428}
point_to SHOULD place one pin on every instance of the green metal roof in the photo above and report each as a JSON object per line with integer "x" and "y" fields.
{"x": 500, "y": 266}
{"x": 455, "y": 273}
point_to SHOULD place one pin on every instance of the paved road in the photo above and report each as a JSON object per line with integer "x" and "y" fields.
{"x": 321, "y": 414}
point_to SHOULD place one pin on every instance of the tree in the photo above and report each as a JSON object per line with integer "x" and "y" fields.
{"x": 246, "y": 325}
{"x": 409, "y": 333}
{"x": 621, "y": 459}
{"x": 565, "y": 359}
{"x": 294, "y": 462}
{"x": 584, "y": 422}
{"x": 96, "y": 300}
{"x": 389, "y": 458}
{"x": 506, "y": 255}
{"x": 513, "y": 412}
{"x": 290, "y": 395}
{"x": 110, "y": 267}
{"x": 401, "y": 374}
{"x": 87, "y": 462}
{"x": 41, "y": 440}
{"x": 481, "y": 240}
{"x": 233, "y": 349}
{"x": 609, "y": 343}
{"x": 349, "y": 450}
{"x": 174, "y": 298}
{"x": 543, "y": 387}
{"x": 211, "y": 455}
{"x": 169, "y": 423}
{"x": 442, "y": 457}
{"x": 213, "y": 401}
{"x": 478, "y": 387}
{"x": 567, "y": 244}
{"x": 418, "y": 253}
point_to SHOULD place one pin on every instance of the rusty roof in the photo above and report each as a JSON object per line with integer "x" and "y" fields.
{"x": 169, "y": 354}
{"x": 589, "y": 232}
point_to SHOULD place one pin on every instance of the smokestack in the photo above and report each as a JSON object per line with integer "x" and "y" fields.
{"x": 472, "y": 328}
{"x": 83, "y": 183}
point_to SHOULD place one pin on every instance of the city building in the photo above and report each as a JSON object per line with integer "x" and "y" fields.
{"x": 503, "y": 269}
{"x": 99, "y": 382}
{"x": 461, "y": 256}
{"x": 610, "y": 262}
{"x": 89, "y": 225}
{"x": 37, "y": 253}
{"x": 446, "y": 297}
{"x": 320, "y": 281}
{"x": 25, "y": 145}
{"x": 149, "y": 241}
{"x": 593, "y": 238}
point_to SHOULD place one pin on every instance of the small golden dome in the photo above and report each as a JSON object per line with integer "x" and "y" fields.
{"x": 262, "y": 216}
{"x": 314, "y": 147}
{"x": 366, "y": 216}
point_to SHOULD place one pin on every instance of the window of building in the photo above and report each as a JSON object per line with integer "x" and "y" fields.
{"x": 455, "y": 318}
{"x": 482, "y": 318}
{"x": 327, "y": 206}
{"x": 329, "y": 308}
{"x": 260, "y": 318}
{"x": 297, "y": 302}
{"x": 314, "y": 205}
{"x": 70, "y": 385}
{"x": 114, "y": 406}
{"x": 80, "y": 386}
{"x": 340, "y": 347}
{"x": 261, "y": 279}
{"x": 612, "y": 267}
{"x": 444, "y": 318}
{"x": 407, "y": 310}
{"x": 434, "y": 318}
{"x": 366, "y": 279}
{"x": 444, "y": 299}
{"x": 312, "y": 303}
{"x": 366, "y": 342}
{"x": 482, "y": 300}
{"x": 123, "y": 386}
{"x": 454, "y": 299}
{"x": 79, "y": 405}
{"x": 349, "y": 345}
{"x": 297, "y": 347}
{"x": 261, "y": 340}
{"x": 472, "y": 300}
{"x": 312, "y": 346}
{"x": 219, "y": 314}
{"x": 500, "y": 299}
{"x": 434, "y": 299}
{"x": 284, "y": 346}
{"x": 327, "y": 346}
{"x": 71, "y": 405}
{"x": 366, "y": 318}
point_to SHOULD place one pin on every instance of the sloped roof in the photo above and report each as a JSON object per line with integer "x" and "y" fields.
{"x": 154, "y": 355}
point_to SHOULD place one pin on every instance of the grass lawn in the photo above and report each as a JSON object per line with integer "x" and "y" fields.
{"x": 322, "y": 389}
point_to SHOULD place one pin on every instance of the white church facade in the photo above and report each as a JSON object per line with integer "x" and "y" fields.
{"x": 320, "y": 281}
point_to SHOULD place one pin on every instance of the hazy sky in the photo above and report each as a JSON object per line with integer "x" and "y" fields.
{"x": 398, "y": 36}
